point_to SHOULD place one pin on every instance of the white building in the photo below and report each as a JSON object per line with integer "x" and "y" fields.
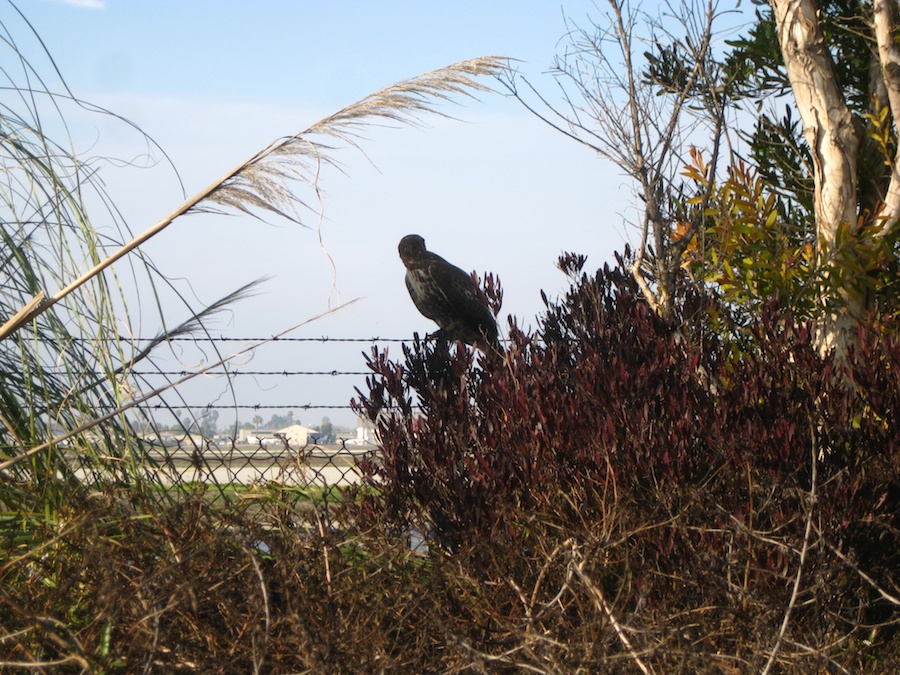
{"x": 365, "y": 431}
{"x": 296, "y": 435}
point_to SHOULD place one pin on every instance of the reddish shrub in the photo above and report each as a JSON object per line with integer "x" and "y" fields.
{"x": 686, "y": 455}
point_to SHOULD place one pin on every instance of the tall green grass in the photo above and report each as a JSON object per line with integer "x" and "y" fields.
{"x": 59, "y": 371}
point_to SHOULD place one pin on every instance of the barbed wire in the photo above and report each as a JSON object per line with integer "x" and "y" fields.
{"x": 254, "y": 406}
{"x": 269, "y": 338}
{"x": 236, "y": 372}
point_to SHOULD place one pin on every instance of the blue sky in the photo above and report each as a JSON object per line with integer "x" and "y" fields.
{"x": 332, "y": 52}
{"x": 213, "y": 82}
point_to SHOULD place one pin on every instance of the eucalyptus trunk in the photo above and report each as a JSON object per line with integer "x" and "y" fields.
{"x": 833, "y": 143}
{"x": 885, "y": 23}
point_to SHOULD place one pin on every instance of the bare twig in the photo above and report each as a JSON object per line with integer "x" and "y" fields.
{"x": 258, "y": 659}
{"x": 814, "y": 453}
{"x": 504, "y": 658}
{"x": 893, "y": 599}
{"x": 819, "y": 655}
{"x": 597, "y": 596}
{"x": 608, "y": 107}
{"x": 34, "y": 665}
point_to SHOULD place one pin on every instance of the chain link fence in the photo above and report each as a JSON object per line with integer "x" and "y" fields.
{"x": 229, "y": 471}
{"x": 175, "y": 459}
{"x": 231, "y": 463}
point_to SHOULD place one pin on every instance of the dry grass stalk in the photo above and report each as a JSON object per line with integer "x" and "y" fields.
{"x": 261, "y": 182}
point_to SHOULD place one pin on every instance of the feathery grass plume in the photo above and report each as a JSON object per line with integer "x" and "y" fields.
{"x": 263, "y": 182}
{"x": 194, "y": 323}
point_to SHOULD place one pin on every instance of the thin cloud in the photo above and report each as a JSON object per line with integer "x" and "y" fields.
{"x": 85, "y": 4}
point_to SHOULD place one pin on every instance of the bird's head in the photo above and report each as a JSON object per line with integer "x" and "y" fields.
{"x": 411, "y": 247}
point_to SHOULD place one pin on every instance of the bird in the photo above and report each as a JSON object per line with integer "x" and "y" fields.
{"x": 448, "y": 296}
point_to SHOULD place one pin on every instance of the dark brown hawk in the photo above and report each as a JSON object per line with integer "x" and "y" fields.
{"x": 447, "y": 295}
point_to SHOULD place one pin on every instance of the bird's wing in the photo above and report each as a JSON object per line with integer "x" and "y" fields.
{"x": 459, "y": 291}
{"x": 455, "y": 285}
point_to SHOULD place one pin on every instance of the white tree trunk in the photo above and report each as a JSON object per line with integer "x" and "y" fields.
{"x": 884, "y": 19}
{"x": 833, "y": 142}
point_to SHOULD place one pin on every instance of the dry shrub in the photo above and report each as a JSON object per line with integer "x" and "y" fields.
{"x": 613, "y": 493}
{"x": 196, "y": 587}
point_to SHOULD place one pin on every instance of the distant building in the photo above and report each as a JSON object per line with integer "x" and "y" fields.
{"x": 365, "y": 432}
{"x": 296, "y": 435}
{"x": 253, "y": 436}
{"x": 180, "y": 439}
